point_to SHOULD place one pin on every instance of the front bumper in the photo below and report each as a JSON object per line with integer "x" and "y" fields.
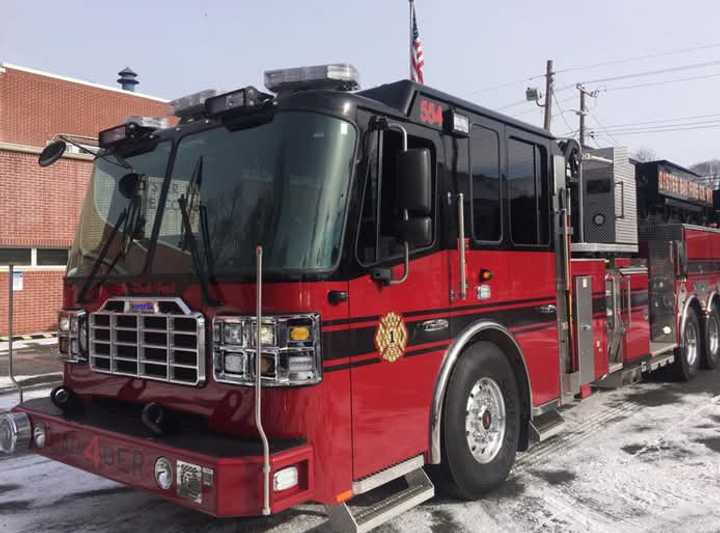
{"x": 217, "y": 474}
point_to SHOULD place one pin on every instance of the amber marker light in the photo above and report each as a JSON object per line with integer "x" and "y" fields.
{"x": 299, "y": 333}
{"x": 485, "y": 275}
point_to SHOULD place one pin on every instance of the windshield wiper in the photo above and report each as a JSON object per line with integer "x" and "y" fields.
{"x": 130, "y": 220}
{"x": 100, "y": 259}
{"x": 187, "y": 238}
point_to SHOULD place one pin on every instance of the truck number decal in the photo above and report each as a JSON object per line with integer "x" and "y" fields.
{"x": 431, "y": 113}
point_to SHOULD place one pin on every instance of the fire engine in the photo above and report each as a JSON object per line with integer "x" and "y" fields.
{"x": 307, "y": 294}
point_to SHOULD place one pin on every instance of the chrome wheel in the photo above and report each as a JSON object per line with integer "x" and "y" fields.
{"x": 691, "y": 343}
{"x": 485, "y": 420}
{"x": 713, "y": 335}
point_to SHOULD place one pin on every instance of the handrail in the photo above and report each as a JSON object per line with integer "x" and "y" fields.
{"x": 461, "y": 246}
{"x": 258, "y": 385}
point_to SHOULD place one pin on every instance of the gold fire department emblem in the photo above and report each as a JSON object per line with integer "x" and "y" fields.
{"x": 391, "y": 337}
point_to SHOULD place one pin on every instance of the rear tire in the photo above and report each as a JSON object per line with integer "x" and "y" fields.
{"x": 687, "y": 359}
{"x": 711, "y": 346}
{"x": 481, "y": 423}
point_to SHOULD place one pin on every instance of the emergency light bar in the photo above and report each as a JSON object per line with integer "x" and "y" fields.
{"x": 192, "y": 105}
{"x": 338, "y": 76}
{"x": 134, "y": 127}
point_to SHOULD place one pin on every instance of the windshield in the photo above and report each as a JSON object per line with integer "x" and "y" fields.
{"x": 282, "y": 184}
{"x": 103, "y": 207}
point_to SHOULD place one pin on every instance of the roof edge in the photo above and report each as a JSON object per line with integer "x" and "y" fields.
{"x": 4, "y": 66}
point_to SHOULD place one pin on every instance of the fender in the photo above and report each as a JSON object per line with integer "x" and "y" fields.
{"x": 685, "y": 312}
{"x": 465, "y": 337}
{"x": 710, "y": 298}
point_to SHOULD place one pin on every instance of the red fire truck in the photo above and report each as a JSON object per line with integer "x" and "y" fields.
{"x": 305, "y": 295}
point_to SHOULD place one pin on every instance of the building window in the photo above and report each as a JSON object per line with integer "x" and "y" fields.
{"x": 15, "y": 256}
{"x": 37, "y": 258}
{"x": 51, "y": 257}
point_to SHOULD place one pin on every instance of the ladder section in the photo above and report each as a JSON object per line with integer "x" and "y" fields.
{"x": 343, "y": 518}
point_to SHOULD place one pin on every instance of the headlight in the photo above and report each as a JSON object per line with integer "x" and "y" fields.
{"x": 290, "y": 350}
{"x": 232, "y": 333}
{"x": 267, "y": 335}
{"x": 72, "y": 336}
{"x": 64, "y": 323}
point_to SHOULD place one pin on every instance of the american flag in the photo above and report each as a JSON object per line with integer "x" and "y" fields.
{"x": 417, "y": 59}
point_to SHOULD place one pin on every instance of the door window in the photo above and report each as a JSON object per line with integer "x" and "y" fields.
{"x": 528, "y": 194}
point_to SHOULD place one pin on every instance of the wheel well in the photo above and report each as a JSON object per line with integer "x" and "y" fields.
{"x": 510, "y": 349}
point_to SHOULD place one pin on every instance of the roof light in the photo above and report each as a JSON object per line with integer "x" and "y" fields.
{"x": 134, "y": 128}
{"x": 338, "y": 76}
{"x": 192, "y": 105}
{"x": 247, "y": 98}
{"x": 457, "y": 123}
{"x": 155, "y": 123}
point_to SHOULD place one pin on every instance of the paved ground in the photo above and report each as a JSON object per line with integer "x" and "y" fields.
{"x": 639, "y": 459}
{"x": 35, "y": 361}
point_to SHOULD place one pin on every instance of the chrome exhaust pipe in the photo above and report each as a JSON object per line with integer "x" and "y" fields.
{"x": 258, "y": 384}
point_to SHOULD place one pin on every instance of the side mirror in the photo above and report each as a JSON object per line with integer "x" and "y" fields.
{"x": 414, "y": 173}
{"x": 417, "y": 231}
{"x": 52, "y": 153}
{"x": 129, "y": 185}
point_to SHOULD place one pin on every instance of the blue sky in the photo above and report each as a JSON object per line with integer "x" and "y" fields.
{"x": 181, "y": 47}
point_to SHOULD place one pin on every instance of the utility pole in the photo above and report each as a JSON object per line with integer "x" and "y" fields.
{"x": 583, "y": 111}
{"x": 549, "y": 84}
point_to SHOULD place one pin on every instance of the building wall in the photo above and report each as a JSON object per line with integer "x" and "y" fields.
{"x": 40, "y": 207}
{"x": 34, "y": 108}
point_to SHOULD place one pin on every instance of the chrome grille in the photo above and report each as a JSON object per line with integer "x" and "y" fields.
{"x": 150, "y": 338}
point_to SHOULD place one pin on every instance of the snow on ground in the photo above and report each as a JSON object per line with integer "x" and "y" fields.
{"x": 637, "y": 459}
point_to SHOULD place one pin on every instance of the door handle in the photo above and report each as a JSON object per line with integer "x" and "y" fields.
{"x": 436, "y": 324}
{"x": 549, "y": 309}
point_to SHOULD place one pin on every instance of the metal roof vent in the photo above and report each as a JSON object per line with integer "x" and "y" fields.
{"x": 127, "y": 79}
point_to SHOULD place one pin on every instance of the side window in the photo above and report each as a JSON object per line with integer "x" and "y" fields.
{"x": 527, "y": 191}
{"x": 485, "y": 176}
{"x": 377, "y": 239}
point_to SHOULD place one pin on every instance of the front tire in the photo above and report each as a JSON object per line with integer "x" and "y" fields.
{"x": 481, "y": 422}
{"x": 711, "y": 347}
{"x": 687, "y": 360}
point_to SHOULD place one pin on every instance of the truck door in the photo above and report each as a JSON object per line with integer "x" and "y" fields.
{"x": 399, "y": 330}
{"x": 510, "y": 261}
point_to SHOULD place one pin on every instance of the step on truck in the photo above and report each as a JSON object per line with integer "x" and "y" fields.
{"x": 305, "y": 294}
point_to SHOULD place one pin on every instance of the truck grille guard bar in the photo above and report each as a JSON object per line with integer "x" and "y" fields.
{"x": 258, "y": 387}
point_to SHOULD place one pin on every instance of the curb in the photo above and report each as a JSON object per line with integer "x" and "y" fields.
{"x": 32, "y": 383}
{"x": 30, "y": 337}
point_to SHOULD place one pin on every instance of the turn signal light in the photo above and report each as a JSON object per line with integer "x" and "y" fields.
{"x": 299, "y": 333}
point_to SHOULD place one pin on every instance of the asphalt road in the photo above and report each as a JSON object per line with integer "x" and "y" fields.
{"x": 637, "y": 459}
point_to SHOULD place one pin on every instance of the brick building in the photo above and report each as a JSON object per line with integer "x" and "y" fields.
{"x": 39, "y": 207}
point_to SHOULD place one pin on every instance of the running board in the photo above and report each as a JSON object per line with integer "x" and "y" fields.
{"x": 419, "y": 489}
{"x": 546, "y": 425}
{"x": 633, "y": 374}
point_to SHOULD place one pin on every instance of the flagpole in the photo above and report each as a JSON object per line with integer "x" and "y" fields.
{"x": 410, "y": 38}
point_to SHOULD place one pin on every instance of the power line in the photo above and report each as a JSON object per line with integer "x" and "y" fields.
{"x": 652, "y": 72}
{"x": 641, "y": 57}
{"x": 619, "y": 61}
{"x": 661, "y": 82}
{"x": 562, "y": 111}
{"x": 665, "y": 120}
{"x": 666, "y": 129}
{"x": 604, "y": 129}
